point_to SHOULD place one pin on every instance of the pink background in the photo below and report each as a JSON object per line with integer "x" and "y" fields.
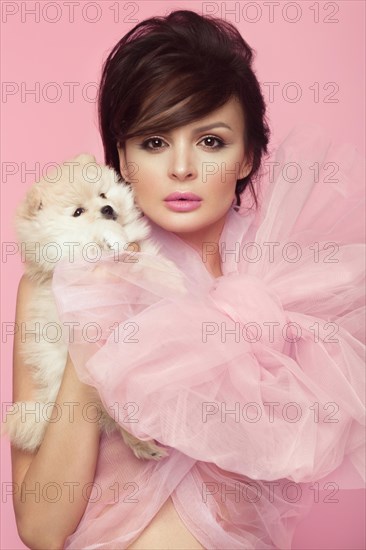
{"x": 312, "y": 44}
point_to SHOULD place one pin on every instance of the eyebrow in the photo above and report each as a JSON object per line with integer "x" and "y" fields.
{"x": 213, "y": 125}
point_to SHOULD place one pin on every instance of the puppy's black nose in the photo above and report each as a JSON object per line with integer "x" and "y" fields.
{"x": 108, "y": 212}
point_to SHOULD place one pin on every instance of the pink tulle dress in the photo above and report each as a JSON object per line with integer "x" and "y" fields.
{"x": 253, "y": 381}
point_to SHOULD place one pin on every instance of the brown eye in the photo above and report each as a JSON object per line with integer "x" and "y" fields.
{"x": 102, "y": 195}
{"x": 78, "y": 212}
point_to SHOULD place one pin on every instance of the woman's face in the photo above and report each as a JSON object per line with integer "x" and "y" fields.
{"x": 205, "y": 157}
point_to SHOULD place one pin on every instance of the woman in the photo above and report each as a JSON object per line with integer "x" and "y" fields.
{"x": 240, "y": 409}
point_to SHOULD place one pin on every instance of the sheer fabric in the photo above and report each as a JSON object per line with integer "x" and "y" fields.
{"x": 253, "y": 381}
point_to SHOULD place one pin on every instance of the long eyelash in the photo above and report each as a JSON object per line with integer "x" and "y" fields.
{"x": 144, "y": 144}
{"x": 219, "y": 140}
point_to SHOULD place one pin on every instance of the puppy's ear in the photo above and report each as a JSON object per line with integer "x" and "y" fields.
{"x": 84, "y": 158}
{"x": 33, "y": 202}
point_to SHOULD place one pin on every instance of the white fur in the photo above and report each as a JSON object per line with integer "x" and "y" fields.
{"x": 46, "y": 216}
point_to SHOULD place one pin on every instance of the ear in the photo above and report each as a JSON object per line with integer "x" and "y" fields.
{"x": 245, "y": 168}
{"x": 84, "y": 158}
{"x": 32, "y": 203}
{"x": 122, "y": 162}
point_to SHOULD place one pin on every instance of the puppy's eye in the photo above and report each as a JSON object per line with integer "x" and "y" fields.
{"x": 78, "y": 212}
{"x": 102, "y": 195}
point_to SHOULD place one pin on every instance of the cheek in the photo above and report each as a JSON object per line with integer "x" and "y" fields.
{"x": 138, "y": 172}
{"x": 143, "y": 190}
{"x": 224, "y": 183}
{"x": 128, "y": 165}
{"x": 225, "y": 171}
{"x": 148, "y": 180}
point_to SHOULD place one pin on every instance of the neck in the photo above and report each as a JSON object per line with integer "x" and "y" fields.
{"x": 206, "y": 243}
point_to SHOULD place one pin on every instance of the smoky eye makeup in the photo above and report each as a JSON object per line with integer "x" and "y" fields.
{"x": 220, "y": 142}
{"x": 215, "y": 143}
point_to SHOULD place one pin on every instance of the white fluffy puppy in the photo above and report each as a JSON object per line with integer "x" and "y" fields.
{"x": 86, "y": 203}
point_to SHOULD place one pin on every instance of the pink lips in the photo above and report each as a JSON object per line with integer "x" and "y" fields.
{"x": 183, "y": 202}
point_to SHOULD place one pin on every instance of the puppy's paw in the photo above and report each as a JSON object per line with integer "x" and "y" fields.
{"x": 147, "y": 450}
{"x": 112, "y": 241}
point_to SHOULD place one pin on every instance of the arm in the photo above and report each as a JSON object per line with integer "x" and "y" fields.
{"x": 61, "y": 459}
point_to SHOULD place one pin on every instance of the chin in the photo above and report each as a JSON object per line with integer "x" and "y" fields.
{"x": 187, "y": 223}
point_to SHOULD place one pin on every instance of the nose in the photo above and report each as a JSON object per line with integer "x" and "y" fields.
{"x": 182, "y": 166}
{"x": 108, "y": 212}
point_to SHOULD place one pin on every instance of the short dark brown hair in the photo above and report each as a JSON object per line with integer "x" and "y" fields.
{"x": 171, "y": 70}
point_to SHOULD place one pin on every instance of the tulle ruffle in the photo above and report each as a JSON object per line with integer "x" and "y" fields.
{"x": 250, "y": 378}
